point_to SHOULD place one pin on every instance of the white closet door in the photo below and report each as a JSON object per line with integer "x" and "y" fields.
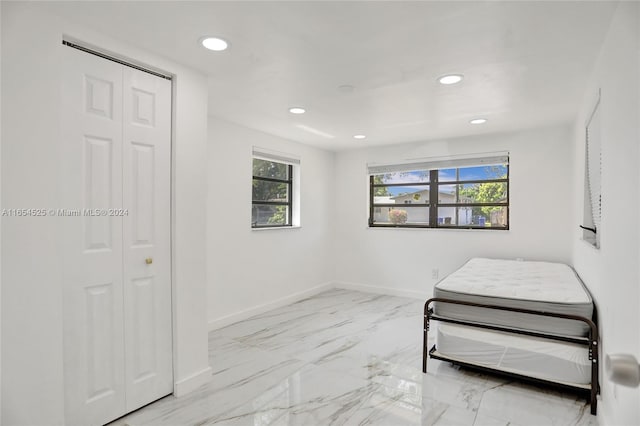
{"x": 93, "y": 273}
{"x": 116, "y": 126}
{"x": 147, "y": 255}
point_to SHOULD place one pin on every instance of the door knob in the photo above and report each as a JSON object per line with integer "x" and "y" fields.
{"x": 623, "y": 369}
{"x": 148, "y": 260}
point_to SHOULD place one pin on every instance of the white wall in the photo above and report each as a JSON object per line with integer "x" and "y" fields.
{"x": 248, "y": 269}
{"x": 612, "y": 273}
{"x": 253, "y": 270}
{"x": 401, "y": 260}
{"x": 32, "y": 339}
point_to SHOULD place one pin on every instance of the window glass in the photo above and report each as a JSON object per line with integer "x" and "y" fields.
{"x": 446, "y": 194}
{"x": 271, "y": 194}
{"x": 417, "y": 176}
{"x": 447, "y": 175}
{"x": 483, "y": 172}
{"x": 270, "y": 191}
{"x": 270, "y": 169}
{"x": 477, "y": 217}
{"x": 485, "y": 192}
{"x": 401, "y": 195}
{"x": 401, "y": 215}
{"x": 265, "y": 215}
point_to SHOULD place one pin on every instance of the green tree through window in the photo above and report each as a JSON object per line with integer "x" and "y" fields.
{"x": 486, "y": 192}
{"x": 380, "y": 191}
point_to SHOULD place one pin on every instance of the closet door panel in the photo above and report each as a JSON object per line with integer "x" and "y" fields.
{"x": 147, "y": 252}
{"x": 91, "y": 160}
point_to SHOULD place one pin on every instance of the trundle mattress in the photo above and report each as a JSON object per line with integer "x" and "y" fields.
{"x": 540, "y": 286}
{"x": 560, "y": 362}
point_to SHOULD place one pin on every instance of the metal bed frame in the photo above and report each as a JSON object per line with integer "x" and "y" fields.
{"x": 591, "y": 340}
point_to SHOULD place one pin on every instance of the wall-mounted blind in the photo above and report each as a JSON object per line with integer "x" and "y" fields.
{"x": 489, "y": 159}
{"x": 280, "y": 157}
{"x": 594, "y": 169}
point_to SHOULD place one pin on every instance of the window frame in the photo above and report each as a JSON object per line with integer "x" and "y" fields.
{"x": 288, "y": 203}
{"x": 434, "y": 202}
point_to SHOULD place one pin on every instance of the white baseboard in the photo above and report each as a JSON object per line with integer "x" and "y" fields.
{"x": 192, "y": 382}
{"x": 604, "y": 415}
{"x": 389, "y": 291}
{"x": 601, "y": 417}
{"x": 256, "y": 310}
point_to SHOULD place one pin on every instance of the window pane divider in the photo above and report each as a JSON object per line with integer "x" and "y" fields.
{"x": 270, "y": 203}
{"x": 464, "y": 182}
{"x": 378, "y": 185}
{"x": 402, "y": 205}
{"x": 268, "y": 179}
{"x": 433, "y": 199}
{"x": 502, "y": 204}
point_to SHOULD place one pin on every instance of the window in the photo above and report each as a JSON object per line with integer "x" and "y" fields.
{"x": 441, "y": 193}
{"x": 273, "y": 190}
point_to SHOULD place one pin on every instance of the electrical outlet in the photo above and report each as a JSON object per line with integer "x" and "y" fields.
{"x": 434, "y": 273}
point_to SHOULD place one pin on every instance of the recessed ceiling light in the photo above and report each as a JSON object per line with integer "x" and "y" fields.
{"x": 214, "y": 43}
{"x": 450, "y": 79}
{"x": 297, "y": 110}
{"x": 478, "y": 121}
{"x": 359, "y": 136}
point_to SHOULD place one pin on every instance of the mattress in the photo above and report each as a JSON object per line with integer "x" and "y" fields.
{"x": 540, "y": 286}
{"x": 560, "y": 362}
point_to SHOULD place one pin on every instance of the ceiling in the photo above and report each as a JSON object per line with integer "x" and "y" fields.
{"x": 526, "y": 64}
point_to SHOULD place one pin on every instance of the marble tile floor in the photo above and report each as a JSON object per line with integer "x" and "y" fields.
{"x": 349, "y": 358}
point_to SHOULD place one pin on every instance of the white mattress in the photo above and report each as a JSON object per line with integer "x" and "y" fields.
{"x": 561, "y": 362}
{"x": 541, "y": 286}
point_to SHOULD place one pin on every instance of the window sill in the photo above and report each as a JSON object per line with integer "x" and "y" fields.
{"x": 278, "y": 228}
{"x": 500, "y": 231}
{"x": 590, "y": 243}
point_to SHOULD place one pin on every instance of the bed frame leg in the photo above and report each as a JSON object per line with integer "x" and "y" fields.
{"x": 595, "y": 382}
{"x": 425, "y": 337}
{"x": 424, "y": 358}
